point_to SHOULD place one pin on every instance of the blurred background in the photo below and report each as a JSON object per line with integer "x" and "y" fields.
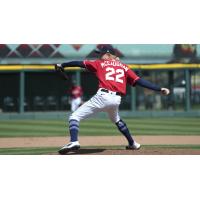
{"x": 29, "y": 85}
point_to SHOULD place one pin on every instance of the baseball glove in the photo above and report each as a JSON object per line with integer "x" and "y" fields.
{"x": 59, "y": 68}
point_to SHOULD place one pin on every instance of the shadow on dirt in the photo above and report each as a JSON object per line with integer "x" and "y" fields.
{"x": 86, "y": 151}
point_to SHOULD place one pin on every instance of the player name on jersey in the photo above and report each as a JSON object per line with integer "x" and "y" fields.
{"x": 115, "y": 64}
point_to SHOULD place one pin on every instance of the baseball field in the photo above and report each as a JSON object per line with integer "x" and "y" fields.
{"x": 158, "y": 136}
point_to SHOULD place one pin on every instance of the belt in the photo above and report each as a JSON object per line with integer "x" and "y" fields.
{"x": 107, "y": 91}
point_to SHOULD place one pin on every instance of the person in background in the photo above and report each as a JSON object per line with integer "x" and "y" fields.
{"x": 76, "y": 94}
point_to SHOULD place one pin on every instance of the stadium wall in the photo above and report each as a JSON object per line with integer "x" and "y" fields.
{"x": 23, "y": 80}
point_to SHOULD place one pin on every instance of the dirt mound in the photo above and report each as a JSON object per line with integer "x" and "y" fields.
{"x": 142, "y": 151}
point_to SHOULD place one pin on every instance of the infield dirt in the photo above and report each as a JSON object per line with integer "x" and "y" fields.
{"x": 141, "y": 151}
{"x": 102, "y": 144}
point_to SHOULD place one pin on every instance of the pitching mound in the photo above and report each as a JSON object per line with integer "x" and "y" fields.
{"x": 142, "y": 151}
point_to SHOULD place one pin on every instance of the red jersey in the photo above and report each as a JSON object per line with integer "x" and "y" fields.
{"x": 113, "y": 75}
{"x": 76, "y": 91}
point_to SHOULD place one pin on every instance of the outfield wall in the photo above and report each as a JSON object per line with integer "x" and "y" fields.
{"x": 27, "y": 81}
{"x": 124, "y": 114}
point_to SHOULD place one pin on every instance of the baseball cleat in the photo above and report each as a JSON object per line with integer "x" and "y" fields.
{"x": 135, "y": 146}
{"x": 71, "y": 147}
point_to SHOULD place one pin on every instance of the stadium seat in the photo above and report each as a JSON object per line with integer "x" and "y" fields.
{"x": 149, "y": 101}
{"x": 51, "y": 103}
{"x": 26, "y": 104}
{"x": 8, "y": 104}
{"x": 38, "y": 103}
{"x": 64, "y": 102}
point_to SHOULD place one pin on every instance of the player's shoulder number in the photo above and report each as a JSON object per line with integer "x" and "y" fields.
{"x": 114, "y": 74}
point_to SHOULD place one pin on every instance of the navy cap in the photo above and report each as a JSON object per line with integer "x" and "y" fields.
{"x": 106, "y": 49}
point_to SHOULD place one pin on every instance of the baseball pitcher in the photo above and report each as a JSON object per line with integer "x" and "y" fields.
{"x": 113, "y": 76}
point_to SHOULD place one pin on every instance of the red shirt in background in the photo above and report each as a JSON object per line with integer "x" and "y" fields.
{"x": 76, "y": 91}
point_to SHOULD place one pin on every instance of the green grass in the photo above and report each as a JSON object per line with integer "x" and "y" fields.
{"x": 52, "y": 150}
{"x": 138, "y": 126}
{"x": 28, "y": 151}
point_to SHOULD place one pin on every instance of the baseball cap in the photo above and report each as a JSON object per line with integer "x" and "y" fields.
{"x": 106, "y": 49}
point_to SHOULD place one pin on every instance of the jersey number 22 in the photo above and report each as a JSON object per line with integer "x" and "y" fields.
{"x": 114, "y": 75}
